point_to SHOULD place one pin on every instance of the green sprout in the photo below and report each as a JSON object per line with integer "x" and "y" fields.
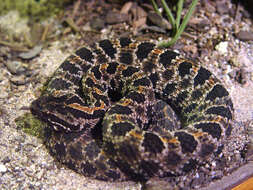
{"x": 177, "y": 29}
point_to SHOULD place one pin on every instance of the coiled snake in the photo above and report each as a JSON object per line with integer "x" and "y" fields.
{"x": 124, "y": 109}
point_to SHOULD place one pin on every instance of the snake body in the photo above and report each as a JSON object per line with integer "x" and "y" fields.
{"x": 124, "y": 109}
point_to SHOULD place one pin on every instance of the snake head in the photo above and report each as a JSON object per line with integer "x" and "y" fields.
{"x": 50, "y": 110}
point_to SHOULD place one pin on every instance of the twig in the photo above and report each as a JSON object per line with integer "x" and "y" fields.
{"x": 14, "y": 46}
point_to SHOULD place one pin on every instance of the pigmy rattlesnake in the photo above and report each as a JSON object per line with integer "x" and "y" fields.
{"x": 125, "y": 109}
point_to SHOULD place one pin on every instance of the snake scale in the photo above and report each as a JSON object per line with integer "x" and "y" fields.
{"x": 124, "y": 109}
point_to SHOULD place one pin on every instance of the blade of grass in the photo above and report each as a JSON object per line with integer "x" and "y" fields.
{"x": 156, "y": 7}
{"x": 182, "y": 26}
{"x": 169, "y": 15}
{"x": 179, "y": 12}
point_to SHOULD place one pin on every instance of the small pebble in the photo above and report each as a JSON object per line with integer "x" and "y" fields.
{"x": 6, "y": 160}
{"x": 32, "y": 53}
{"x": 245, "y": 35}
{"x": 209, "y": 7}
{"x": 199, "y": 177}
{"x": 3, "y": 169}
{"x": 18, "y": 80}
{"x": 97, "y": 24}
{"x": 3, "y": 94}
{"x": 158, "y": 20}
{"x": 4, "y": 91}
{"x": 15, "y": 67}
{"x": 222, "y": 47}
{"x": 217, "y": 174}
{"x": 115, "y": 17}
{"x": 222, "y": 7}
{"x": 234, "y": 62}
{"x": 241, "y": 76}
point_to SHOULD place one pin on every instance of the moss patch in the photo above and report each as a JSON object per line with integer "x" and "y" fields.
{"x": 31, "y": 125}
{"x": 37, "y": 9}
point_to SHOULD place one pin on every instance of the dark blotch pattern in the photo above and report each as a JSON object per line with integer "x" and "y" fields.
{"x": 202, "y": 76}
{"x": 108, "y": 48}
{"x": 75, "y": 152}
{"x": 152, "y": 143}
{"x": 112, "y": 175}
{"x": 68, "y": 66}
{"x": 92, "y": 150}
{"x": 144, "y": 49}
{"x": 96, "y": 72}
{"x": 150, "y": 168}
{"x": 88, "y": 169}
{"x": 189, "y": 108}
{"x": 109, "y": 148}
{"x": 142, "y": 82}
{"x": 101, "y": 58}
{"x": 60, "y": 149}
{"x": 100, "y": 97}
{"x": 167, "y": 57}
{"x": 167, "y": 74}
{"x": 220, "y": 110}
{"x": 173, "y": 158}
{"x": 111, "y": 69}
{"x": 75, "y": 79}
{"x": 218, "y": 91}
{"x": 181, "y": 97}
{"x": 185, "y": 83}
{"x": 125, "y": 42}
{"x": 169, "y": 88}
{"x": 196, "y": 94}
{"x": 213, "y": 129}
{"x": 148, "y": 66}
{"x": 129, "y": 71}
{"x": 126, "y": 58}
{"x": 154, "y": 78}
{"x": 187, "y": 141}
{"x": 120, "y": 110}
{"x": 120, "y": 129}
{"x": 184, "y": 68}
{"x": 89, "y": 82}
{"x": 137, "y": 97}
{"x": 128, "y": 151}
{"x": 85, "y": 54}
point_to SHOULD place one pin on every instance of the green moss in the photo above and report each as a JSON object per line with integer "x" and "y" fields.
{"x": 36, "y": 9}
{"x": 31, "y": 125}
